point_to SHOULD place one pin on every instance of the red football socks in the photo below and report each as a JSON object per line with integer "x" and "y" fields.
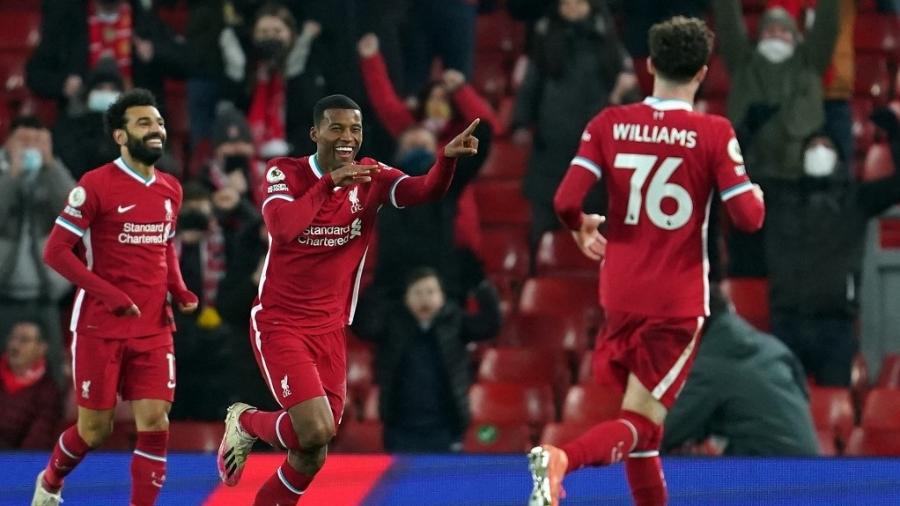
{"x": 646, "y": 480}
{"x": 284, "y": 488}
{"x": 67, "y": 453}
{"x": 148, "y": 467}
{"x": 273, "y": 427}
{"x": 611, "y": 441}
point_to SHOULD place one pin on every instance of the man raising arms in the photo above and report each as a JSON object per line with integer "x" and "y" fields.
{"x": 661, "y": 162}
{"x": 121, "y": 219}
{"x": 320, "y": 213}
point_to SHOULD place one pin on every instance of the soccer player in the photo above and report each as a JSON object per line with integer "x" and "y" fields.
{"x": 121, "y": 219}
{"x": 661, "y": 161}
{"x": 320, "y": 213}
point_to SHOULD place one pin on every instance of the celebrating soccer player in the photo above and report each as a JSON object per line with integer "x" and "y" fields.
{"x": 320, "y": 213}
{"x": 661, "y": 161}
{"x": 121, "y": 219}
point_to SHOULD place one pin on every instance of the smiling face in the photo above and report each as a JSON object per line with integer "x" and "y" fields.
{"x": 338, "y": 137}
{"x": 144, "y": 134}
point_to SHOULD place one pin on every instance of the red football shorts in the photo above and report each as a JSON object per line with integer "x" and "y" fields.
{"x": 658, "y": 351}
{"x": 298, "y": 367}
{"x": 135, "y": 368}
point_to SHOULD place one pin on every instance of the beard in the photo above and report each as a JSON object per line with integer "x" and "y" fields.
{"x": 139, "y": 150}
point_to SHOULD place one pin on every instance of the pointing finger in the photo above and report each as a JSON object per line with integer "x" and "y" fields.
{"x": 471, "y": 128}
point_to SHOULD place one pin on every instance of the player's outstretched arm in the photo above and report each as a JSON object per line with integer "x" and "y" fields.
{"x": 187, "y": 301}
{"x": 59, "y": 256}
{"x": 416, "y": 190}
{"x": 746, "y": 209}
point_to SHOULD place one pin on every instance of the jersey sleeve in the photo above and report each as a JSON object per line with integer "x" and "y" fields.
{"x": 728, "y": 165}
{"x": 388, "y": 179}
{"x": 82, "y": 207}
{"x": 590, "y": 153}
{"x": 280, "y": 182}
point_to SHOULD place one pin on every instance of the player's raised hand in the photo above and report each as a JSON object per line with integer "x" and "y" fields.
{"x": 349, "y": 174}
{"x": 464, "y": 144}
{"x": 588, "y": 237}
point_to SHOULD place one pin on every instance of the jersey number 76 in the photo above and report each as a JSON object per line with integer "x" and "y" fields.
{"x": 659, "y": 188}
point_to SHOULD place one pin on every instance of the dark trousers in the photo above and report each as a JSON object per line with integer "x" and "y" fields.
{"x": 839, "y": 126}
{"x": 399, "y": 439}
{"x": 439, "y": 28}
{"x": 825, "y": 346}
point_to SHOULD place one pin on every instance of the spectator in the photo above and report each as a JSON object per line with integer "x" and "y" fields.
{"x": 31, "y": 402}
{"x": 33, "y": 188}
{"x": 422, "y": 364}
{"x": 815, "y": 232}
{"x": 746, "y": 389}
{"x": 577, "y": 67}
{"x": 79, "y": 137}
{"x": 278, "y": 82}
{"x": 426, "y": 235}
{"x": 234, "y": 163}
{"x": 639, "y": 15}
{"x": 439, "y": 28}
{"x": 77, "y": 34}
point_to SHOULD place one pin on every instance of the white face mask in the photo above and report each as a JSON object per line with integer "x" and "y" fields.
{"x": 775, "y": 50}
{"x": 100, "y": 100}
{"x": 819, "y": 161}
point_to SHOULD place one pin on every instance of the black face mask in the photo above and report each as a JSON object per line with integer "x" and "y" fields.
{"x": 193, "y": 220}
{"x": 141, "y": 152}
{"x": 416, "y": 161}
{"x": 270, "y": 49}
{"x": 236, "y": 162}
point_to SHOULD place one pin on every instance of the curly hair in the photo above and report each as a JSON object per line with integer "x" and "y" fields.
{"x": 680, "y": 47}
{"x": 115, "y": 115}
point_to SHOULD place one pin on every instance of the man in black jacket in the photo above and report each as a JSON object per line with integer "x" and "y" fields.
{"x": 422, "y": 365}
{"x": 815, "y": 232}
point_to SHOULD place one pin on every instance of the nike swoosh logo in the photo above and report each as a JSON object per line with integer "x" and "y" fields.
{"x": 125, "y": 209}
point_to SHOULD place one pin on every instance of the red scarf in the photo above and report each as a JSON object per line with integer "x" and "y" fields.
{"x": 266, "y": 116}
{"x": 13, "y": 383}
{"x": 111, "y": 38}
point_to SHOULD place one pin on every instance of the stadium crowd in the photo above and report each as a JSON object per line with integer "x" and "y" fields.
{"x": 477, "y": 312}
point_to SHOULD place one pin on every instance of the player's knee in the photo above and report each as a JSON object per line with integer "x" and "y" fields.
{"x": 316, "y": 433}
{"x": 94, "y": 431}
{"x": 649, "y": 434}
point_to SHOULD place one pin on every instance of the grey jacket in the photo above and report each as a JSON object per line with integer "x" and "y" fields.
{"x": 41, "y": 200}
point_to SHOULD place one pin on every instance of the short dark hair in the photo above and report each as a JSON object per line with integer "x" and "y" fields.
{"x": 332, "y": 102}
{"x": 420, "y": 273}
{"x": 277, "y": 10}
{"x": 25, "y": 121}
{"x": 680, "y": 47}
{"x": 115, "y": 115}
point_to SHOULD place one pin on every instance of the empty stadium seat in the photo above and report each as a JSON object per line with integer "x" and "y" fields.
{"x": 506, "y": 160}
{"x": 591, "y": 404}
{"x": 505, "y": 253}
{"x": 491, "y": 75}
{"x": 190, "y": 436}
{"x": 557, "y": 296}
{"x": 878, "y": 163}
{"x": 525, "y": 366}
{"x": 358, "y": 437}
{"x": 558, "y": 255}
{"x": 586, "y": 367}
{"x": 827, "y": 446}
{"x": 541, "y": 332}
{"x": 750, "y": 297}
{"x": 889, "y": 376}
{"x": 872, "y": 443}
{"x": 21, "y": 29}
{"x": 872, "y": 78}
{"x": 882, "y": 410}
{"x": 359, "y": 371}
{"x": 832, "y": 410}
{"x": 370, "y": 411}
{"x": 498, "y": 32}
{"x": 511, "y": 403}
{"x": 877, "y": 32}
{"x": 491, "y": 438}
{"x": 863, "y": 128}
{"x": 717, "y": 82}
{"x": 500, "y": 202}
{"x": 560, "y": 433}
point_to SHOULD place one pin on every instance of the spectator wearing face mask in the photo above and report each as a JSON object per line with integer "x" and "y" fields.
{"x": 274, "y": 80}
{"x": 33, "y": 188}
{"x": 234, "y": 163}
{"x": 80, "y": 138}
{"x": 814, "y": 238}
{"x": 421, "y": 360}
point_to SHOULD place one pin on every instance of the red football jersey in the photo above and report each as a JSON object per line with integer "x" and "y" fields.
{"x": 311, "y": 283}
{"x": 661, "y": 162}
{"x": 125, "y": 222}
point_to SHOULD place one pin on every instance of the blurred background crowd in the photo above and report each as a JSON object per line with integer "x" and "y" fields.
{"x": 478, "y": 313}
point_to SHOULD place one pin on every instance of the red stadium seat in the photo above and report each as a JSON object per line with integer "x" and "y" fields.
{"x": 717, "y": 82}
{"x": 501, "y": 202}
{"x": 863, "y": 129}
{"x": 878, "y": 162}
{"x": 832, "y": 410}
{"x": 827, "y": 445}
{"x": 540, "y": 332}
{"x": 591, "y": 404}
{"x": 505, "y": 252}
{"x": 712, "y": 106}
{"x": 505, "y": 161}
{"x": 370, "y": 412}
{"x": 882, "y": 410}
{"x": 490, "y": 438}
{"x": 511, "y": 403}
{"x": 534, "y": 367}
{"x": 558, "y": 434}
{"x": 491, "y": 75}
{"x": 889, "y": 376}
{"x": 586, "y": 368}
{"x": 877, "y": 33}
{"x": 558, "y": 255}
{"x": 21, "y": 29}
{"x": 359, "y": 371}
{"x": 562, "y": 297}
{"x": 872, "y": 78}
{"x": 188, "y": 436}
{"x": 873, "y": 443}
{"x": 358, "y": 437}
{"x": 499, "y": 32}
{"x": 750, "y": 297}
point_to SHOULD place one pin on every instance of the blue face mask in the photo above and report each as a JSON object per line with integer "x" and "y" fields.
{"x": 32, "y": 161}
{"x": 416, "y": 161}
